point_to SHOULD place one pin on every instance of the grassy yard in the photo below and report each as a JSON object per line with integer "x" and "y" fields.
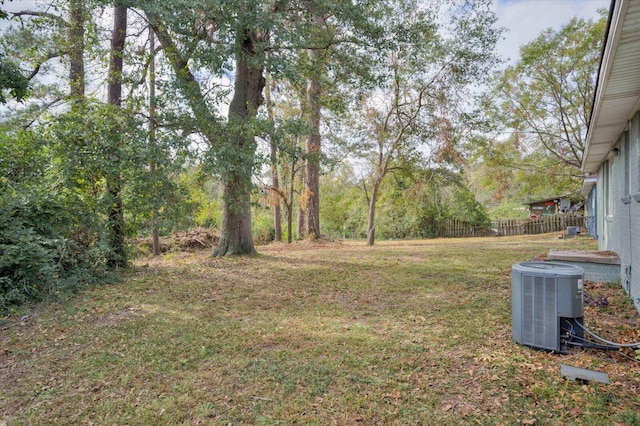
{"x": 406, "y": 332}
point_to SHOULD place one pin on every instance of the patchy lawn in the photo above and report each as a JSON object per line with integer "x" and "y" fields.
{"x": 406, "y": 332}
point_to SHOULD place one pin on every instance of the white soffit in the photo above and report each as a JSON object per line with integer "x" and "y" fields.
{"x": 617, "y": 95}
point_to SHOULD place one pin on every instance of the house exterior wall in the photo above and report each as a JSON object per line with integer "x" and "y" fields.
{"x": 612, "y": 145}
{"x": 633, "y": 260}
{"x": 604, "y": 217}
{"x": 618, "y": 210}
{"x": 624, "y": 237}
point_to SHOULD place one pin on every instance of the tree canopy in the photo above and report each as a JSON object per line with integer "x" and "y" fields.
{"x": 541, "y": 105}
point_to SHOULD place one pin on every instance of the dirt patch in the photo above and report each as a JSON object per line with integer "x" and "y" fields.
{"x": 113, "y": 318}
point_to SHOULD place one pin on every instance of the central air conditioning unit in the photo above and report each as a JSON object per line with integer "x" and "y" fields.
{"x": 573, "y": 230}
{"x": 546, "y": 303}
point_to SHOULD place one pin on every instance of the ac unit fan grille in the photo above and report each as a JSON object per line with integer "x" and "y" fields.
{"x": 539, "y": 321}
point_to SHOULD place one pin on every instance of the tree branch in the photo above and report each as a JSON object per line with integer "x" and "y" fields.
{"x": 39, "y": 14}
{"x": 207, "y": 122}
{"x": 48, "y": 57}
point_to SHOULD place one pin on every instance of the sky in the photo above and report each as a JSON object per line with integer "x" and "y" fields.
{"x": 526, "y": 19}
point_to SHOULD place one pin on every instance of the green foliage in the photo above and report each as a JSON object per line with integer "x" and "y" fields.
{"x": 262, "y": 224}
{"x": 396, "y": 217}
{"x": 98, "y": 142}
{"x": 28, "y": 264}
{"x": 11, "y": 79}
{"x": 75, "y": 152}
{"x": 543, "y": 103}
{"x": 181, "y": 196}
{"x": 23, "y": 159}
{"x": 493, "y": 170}
{"x": 89, "y": 143}
{"x": 343, "y": 205}
{"x": 203, "y": 199}
{"x": 505, "y": 172}
{"x": 547, "y": 96}
{"x": 54, "y": 201}
{"x": 415, "y": 203}
{"x": 416, "y": 110}
{"x": 508, "y": 210}
{"x": 44, "y": 251}
{"x": 410, "y": 203}
{"x": 465, "y": 207}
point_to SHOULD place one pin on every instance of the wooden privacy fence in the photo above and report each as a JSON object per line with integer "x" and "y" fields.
{"x": 540, "y": 225}
{"x": 456, "y": 228}
{"x": 504, "y": 227}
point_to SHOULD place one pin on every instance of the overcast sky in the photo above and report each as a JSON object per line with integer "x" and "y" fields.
{"x": 525, "y": 19}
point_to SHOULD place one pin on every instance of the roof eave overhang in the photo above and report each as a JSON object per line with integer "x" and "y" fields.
{"x": 547, "y": 199}
{"x": 617, "y": 94}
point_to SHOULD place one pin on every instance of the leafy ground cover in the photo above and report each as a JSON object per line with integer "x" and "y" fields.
{"x": 406, "y": 332}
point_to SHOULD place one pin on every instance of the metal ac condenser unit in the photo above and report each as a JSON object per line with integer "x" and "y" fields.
{"x": 546, "y": 302}
{"x": 573, "y": 230}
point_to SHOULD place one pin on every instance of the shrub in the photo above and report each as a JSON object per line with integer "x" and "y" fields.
{"x": 39, "y": 258}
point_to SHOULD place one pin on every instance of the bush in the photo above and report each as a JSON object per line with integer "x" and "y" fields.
{"x": 27, "y": 264}
{"x": 37, "y": 260}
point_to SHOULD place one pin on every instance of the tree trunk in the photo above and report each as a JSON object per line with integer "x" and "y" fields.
{"x": 277, "y": 211}
{"x": 118, "y": 37}
{"x": 118, "y": 256}
{"x": 371, "y": 228}
{"x": 236, "y": 145}
{"x": 311, "y": 192}
{"x": 155, "y": 234}
{"x": 76, "y": 53}
{"x": 300, "y": 224}
{"x": 290, "y": 221}
{"x": 289, "y": 202}
{"x": 236, "y": 235}
{"x": 275, "y": 180}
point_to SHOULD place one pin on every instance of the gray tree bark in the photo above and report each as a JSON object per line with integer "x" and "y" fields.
{"x": 275, "y": 178}
{"x": 236, "y": 237}
{"x": 371, "y": 228}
